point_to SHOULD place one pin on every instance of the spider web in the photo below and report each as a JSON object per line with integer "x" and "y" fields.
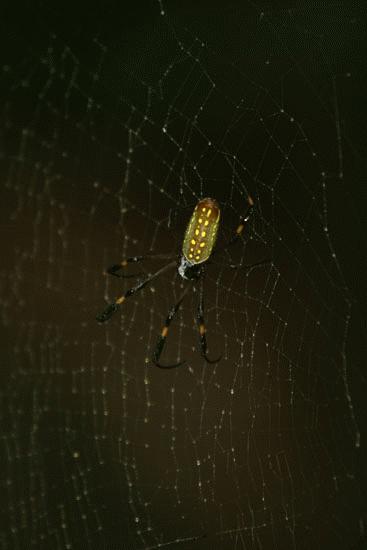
{"x": 114, "y": 125}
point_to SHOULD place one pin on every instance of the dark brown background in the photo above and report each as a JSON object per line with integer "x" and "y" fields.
{"x": 99, "y": 449}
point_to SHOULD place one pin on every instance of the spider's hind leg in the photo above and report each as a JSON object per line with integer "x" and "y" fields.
{"x": 243, "y": 222}
{"x": 163, "y": 336}
{"x": 202, "y": 330}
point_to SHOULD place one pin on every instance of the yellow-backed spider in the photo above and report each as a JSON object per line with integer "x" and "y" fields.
{"x": 199, "y": 240}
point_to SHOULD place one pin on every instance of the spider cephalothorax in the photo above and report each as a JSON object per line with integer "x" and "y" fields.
{"x": 199, "y": 241}
{"x": 189, "y": 271}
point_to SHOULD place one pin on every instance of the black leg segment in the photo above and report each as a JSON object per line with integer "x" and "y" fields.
{"x": 116, "y": 269}
{"x": 202, "y": 330}
{"x": 163, "y": 336}
{"x": 112, "y": 308}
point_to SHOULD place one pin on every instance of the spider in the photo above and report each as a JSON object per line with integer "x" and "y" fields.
{"x": 199, "y": 241}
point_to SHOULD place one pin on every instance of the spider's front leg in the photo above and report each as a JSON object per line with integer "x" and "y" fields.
{"x": 116, "y": 269}
{"x": 112, "y": 308}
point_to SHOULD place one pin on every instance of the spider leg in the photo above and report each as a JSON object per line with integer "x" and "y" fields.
{"x": 116, "y": 268}
{"x": 249, "y": 266}
{"x": 107, "y": 313}
{"x": 202, "y": 329}
{"x": 234, "y": 239}
{"x": 240, "y": 227}
{"x": 243, "y": 221}
{"x": 162, "y": 338}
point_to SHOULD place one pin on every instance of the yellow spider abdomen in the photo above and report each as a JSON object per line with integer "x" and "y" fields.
{"x": 201, "y": 232}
